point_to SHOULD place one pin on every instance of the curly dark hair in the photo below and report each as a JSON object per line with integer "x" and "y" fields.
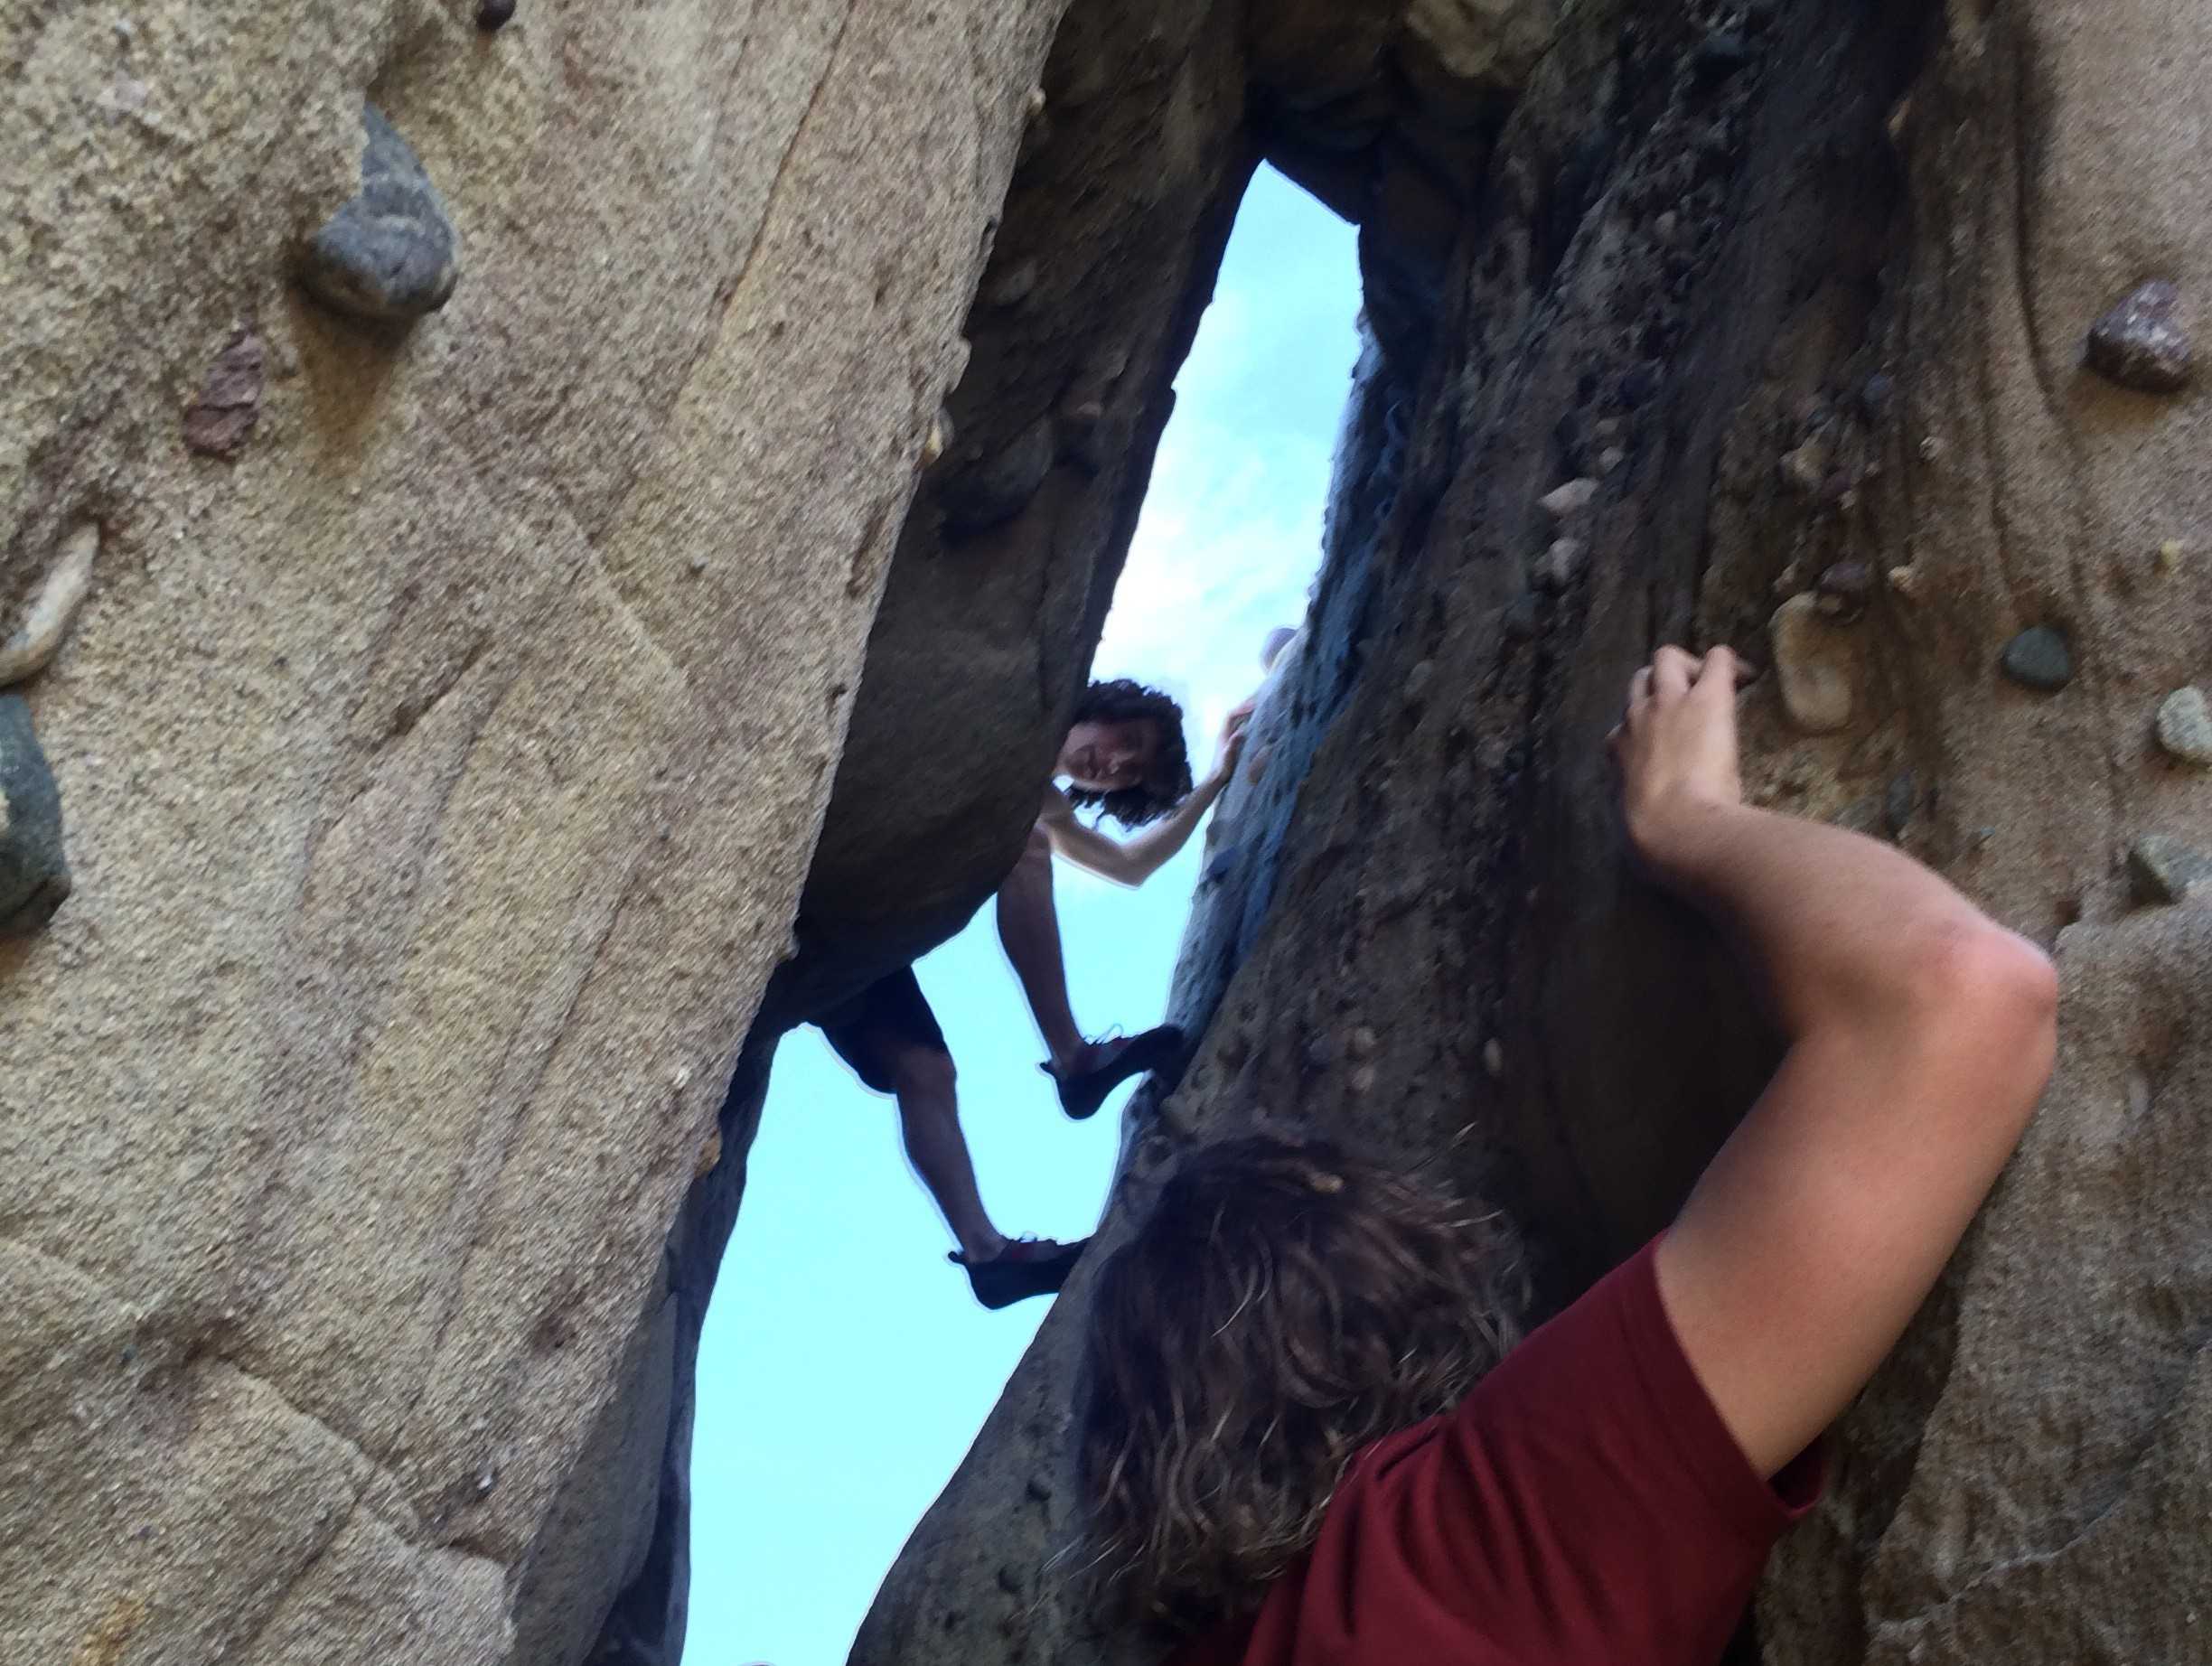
{"x": 1168, "y": 782}
{"x": 1284, "y": 1304}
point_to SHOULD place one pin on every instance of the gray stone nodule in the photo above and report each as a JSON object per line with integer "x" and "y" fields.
{"x": 34, "y": 877}
{"x": 390, "y": 254}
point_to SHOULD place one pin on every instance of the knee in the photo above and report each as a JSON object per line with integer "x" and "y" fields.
{"x": 924, "y": 1074}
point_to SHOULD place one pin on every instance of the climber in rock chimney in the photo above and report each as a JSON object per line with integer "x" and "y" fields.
{"x": 1124, "y": 755}
{"x": 1309, "y": 1435}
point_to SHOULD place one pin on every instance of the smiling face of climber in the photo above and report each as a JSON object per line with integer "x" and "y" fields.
{"x": 1124, "y": 752}
{"x": 1109, "y": 754}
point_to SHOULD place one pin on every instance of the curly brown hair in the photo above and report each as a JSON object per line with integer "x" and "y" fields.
{"x": 1284, "y": 1304}
{"x": 1168, "y": 781}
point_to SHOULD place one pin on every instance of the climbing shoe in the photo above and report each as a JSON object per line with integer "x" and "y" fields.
{"x": 1027, "y": 1267}
{"x": 1082, "y": 1092}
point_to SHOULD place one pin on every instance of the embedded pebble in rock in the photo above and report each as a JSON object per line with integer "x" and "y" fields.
{"x": 1417, "y": 679}
{"x": 2039, "y": 657}
{"x": 2165, "y": 870}
{"x": 1012, "y": 287}
{"x": 2185, "y": 727}
{"x": 1556, "y": 568}
{"x": 1611, "y": 458}
{"x": 228, "y": 403}
{"x": 1362, "y": 1043}
{"x": 390, "y": 253}
{"x": 1219, "y": 865}
{"x": 1844, "y": 589}
{"x": 2142, "y": 343}
{"x": 994, "y": 490}
{"x": 34, "y": 877}
{"x": 53, "y": 607}
{"x": 1876, "y": 395}
{"x": 2170, "y": 554}
{"x": 1814, "y": 667}
{"x": 1494, "y": 1058}
{"x": 1572, "y": 499}
{"x": 492, "y": 15}
{"x": 1804, "y": 468}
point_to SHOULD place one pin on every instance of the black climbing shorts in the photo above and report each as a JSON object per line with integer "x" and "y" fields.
{"x": 890, "y": 1016}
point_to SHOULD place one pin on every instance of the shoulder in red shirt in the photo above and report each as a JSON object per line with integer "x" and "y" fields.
{"x": 1584, "y": 1506}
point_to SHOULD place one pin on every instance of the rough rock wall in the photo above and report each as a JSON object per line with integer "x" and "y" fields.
{"x": 1034, "y": 468}
{"x": 1100, "y": 266}
{"x": 438, "y": 748}
{"x": 1802, "y": 294}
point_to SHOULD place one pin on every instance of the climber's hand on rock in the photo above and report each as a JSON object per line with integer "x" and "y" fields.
{"x": 1676, "y": 748}
{"x": 1232, "y": 745}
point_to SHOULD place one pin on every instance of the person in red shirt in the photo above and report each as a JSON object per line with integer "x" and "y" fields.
{"x": 1309, "y": 1438}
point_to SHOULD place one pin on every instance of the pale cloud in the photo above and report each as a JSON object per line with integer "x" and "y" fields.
{"x": 1230, "y": 538}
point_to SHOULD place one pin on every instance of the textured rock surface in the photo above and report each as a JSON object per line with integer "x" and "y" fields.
{"x": 1726, "y": 251}
{"x": 440, "y": 772}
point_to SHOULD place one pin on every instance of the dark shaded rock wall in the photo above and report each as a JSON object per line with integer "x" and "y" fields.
{"x": 1803, "y": 290}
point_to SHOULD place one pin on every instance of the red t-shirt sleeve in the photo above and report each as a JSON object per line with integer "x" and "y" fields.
{"x": 1584, "y": 1506}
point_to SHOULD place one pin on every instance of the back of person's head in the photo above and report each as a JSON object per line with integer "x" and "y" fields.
{"x": 1284, "y": 1304}
{"x": 1167, "y": 782}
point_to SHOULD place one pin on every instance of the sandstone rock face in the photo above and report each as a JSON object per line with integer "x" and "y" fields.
{"x": 1873, "y": 239}
{"x": 453, "y": 712}
{"x": 442, "y": 750}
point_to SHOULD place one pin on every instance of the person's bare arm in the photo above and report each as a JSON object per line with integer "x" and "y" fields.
{"x": 1134, "y": 860}
{"x": 1921, "y": 1034}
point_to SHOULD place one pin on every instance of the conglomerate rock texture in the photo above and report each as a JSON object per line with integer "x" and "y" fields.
{"x": 1804, "y": 294}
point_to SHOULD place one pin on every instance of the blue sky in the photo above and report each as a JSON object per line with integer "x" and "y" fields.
{"x": 845, "y": 1367}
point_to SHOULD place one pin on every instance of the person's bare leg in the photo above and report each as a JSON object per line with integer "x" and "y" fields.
{"x": 924, "y": 1083}
{"x": 1030, "y": 929}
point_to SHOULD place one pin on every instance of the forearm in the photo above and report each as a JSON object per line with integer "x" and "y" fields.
{"x": 1842, "y": 927}
{"x": 1148, "y": 852}
{"x": 1921, "y": 1034}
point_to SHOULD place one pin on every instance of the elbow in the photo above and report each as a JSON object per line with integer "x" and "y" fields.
{"x": 1993, "y": 996}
